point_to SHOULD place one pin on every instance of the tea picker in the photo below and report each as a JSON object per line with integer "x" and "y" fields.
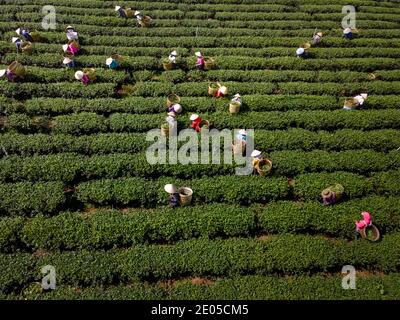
{"x": 124, "y": 13}
{"x": 114, "y": 61}
{"x": 239, "y": 146}
{"x": 200, "y": 61}
{"x": 175, "y": 108}
{"x": 241, "y": 137}
{"x": 14, "y": 72}
{"x": 196, "y": 121}
{"x": 172, "y": 57}
{"x": 257, "y": 157}
{"x": 17, "y": 42}
{"x": 68, "y": 62}
{"x": 348, "y": 33}
{"x": 71, "y": 47}
{"x": 366, "y": 229}
{"x": 302, "y": 51}
{"x": 332, "y": 194}
{"x": 25, "y": 33}
{"x": 355, "y": 102}
{"x": 71, "y": 33}
{"x": 173, "y": 195}
{"x": 317, "y": 38}
{"x": 221, "y": 92}
{"x": 86, "y": 76}
{"x": 142, "y": 20}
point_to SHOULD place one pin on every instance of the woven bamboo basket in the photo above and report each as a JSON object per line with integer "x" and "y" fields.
{"x": 370, "y": 233}
{"x": 165, "y": 130}
{"x": 16, "y": 68}
{"x": 234, "y": 107}
{"x": 27, "y": 48}
{"x": 185, "y": 196}
{"x": 263, "y": 172}
{"x": 338, "y": 189}
{"x": 209, "y": 63}
{"x": 213, "y": 88}
{"x": 167, "y": 64}
{"x": 350, "y": 103}
{"x": 145, "y": 22}
{"x": 306, "y": 45}
{"x": 172, "y": 99}
{"x": 91, "y": 73}
{"x": 129, "y": 13}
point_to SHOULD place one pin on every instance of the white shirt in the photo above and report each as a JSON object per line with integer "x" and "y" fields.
{"x": 72, "y": 35}
{"x": 172, "y": 58}
{"x": 360, "y": 100}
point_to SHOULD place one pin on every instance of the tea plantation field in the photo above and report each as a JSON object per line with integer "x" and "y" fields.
{"x": 77, "y": 193}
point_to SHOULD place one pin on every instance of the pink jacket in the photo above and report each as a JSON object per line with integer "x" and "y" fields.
{"x": 200, "y": 61}
{"x": 364, "y": 223}
{"x": 85, "y": 80}
{"x": 72, "y": 49}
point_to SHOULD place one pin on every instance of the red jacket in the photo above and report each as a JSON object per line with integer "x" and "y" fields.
{"x": 196, "y": 124}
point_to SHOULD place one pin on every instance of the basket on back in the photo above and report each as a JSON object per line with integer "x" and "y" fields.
{"x": 145, "y": 21}
{"x": 27, "y": 48}
{"x": 209, "y": 63}
{"x": 172, "y": 99}
{"x": 167, "y": 65}
{"x": 91, "y": 73}
{"x": 234, "y": 107}
{"x": 16, "y": 68}
{"x": 351, "y": 103}
{"x": 213, "y": 88}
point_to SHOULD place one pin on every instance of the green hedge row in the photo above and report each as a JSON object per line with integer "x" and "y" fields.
{"x": 215, "y": 42}
{"x": 161, "y": 17}
{"x": 235, "y": 189}
{"x": 31, "y": 198}
{"x": 109, "y": 228}
{"x": 196, "y": 89}
{"x": 283, "y": 254}
{"x": 286, "y": 163}
{"x": 140, "y": 105}
{"x": 291, "y": 139}
{"x": 223, "y": 62}
{"x": 46, "y": 75}
{"x": 316, "y": 287}
{"x": 62, "y": 89}
{"x": 87, "y": 122}
{"x": 223, "y": 3}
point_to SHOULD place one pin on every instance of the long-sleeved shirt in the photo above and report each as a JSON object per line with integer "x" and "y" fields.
{"x": 196, "y": 124}
{"x": 329, "y": 200}
{"x": 172, "y": 59}
{"x": 122, "y": 13}
{"x": 10, "y": 75}
{"x": 85, "y": 80}
{"x": 27, "y": 35}
{"x": 114, "y": 64}
{"x": 72, "y": 49}
{"x": 174, "y": 200}
{"x": 72, "y": 35}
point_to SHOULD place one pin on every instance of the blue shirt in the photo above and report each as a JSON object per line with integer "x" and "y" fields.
{"x": 114, "y": 64}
